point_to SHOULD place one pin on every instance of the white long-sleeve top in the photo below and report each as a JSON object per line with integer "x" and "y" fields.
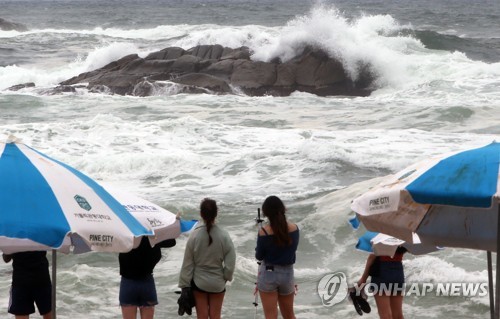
{"x": 209, "y": 266}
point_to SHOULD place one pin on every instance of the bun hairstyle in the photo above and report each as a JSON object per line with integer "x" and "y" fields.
{"x": 274, "y": 209}
{"x": 208, "y": 211}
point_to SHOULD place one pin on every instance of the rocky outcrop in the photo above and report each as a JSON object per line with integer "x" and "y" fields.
{"x": 18, "y": 87}
{"x": 220, "y": 70}
{"x": 9, "y": 26}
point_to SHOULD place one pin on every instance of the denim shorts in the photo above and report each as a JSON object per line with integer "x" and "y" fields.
{"x": 23, "y": 300}
{"x": 276, "y": 278}
{"x": 138, "y": 292}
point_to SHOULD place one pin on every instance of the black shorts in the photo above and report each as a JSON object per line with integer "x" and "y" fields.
{"x": 23, "y": 299}
{"x": 389, "y": 280}
{"x": 196, "y": 288}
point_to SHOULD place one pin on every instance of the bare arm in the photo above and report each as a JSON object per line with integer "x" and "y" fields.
{"x": 229, "y": 259}
{"x": 187, "y": 269}
{"x": 366, "y": 273}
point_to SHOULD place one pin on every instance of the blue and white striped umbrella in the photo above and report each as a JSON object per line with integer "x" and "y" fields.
{"x": 46, "y": 204}
{"x": 385, "y": 245}
{"x": 450, "y": 201}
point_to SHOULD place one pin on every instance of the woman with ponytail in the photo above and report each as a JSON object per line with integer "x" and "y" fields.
{"x": 209, "y": 261}
{"x": 276, "y": 246}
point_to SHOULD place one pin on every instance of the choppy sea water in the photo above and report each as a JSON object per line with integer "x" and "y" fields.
{"x": 438, "y": 91}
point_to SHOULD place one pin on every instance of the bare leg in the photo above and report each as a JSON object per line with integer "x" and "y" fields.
{"x": 270, "y": 304}
{"x": 47, "y": 315}
{"x": 129, "y": 312}
{"x": 201, "y": 300}
{"x": 23, "y": 317}
{"x": 147, "y": 312}
{"x": 383, "y": 306}
{"x": 286, "y": 306}
{"x": 397, "y": 307}
{"x": 215, "y": 305}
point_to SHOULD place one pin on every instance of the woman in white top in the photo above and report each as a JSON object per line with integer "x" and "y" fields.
{"x": 209, "y": 261}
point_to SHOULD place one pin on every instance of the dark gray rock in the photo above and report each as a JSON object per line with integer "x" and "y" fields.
{"x": 207, "y": 52}
{"x": 216, "y": 69}
{"x": 9, "y": 26}
{"x": 167, "y": 54}
{"x": 59, "y": 90}
{"x": 286, "y": 75}
{"x": 21, "y": 86}
{"x": 254, "y": 78}
{"x": 221, "y": 69}
{"x": 242, "y": 53}
{"x": 123, "y": 84}
{"x": 146, "y": 67}
{"x": 204, "y": 81}
{"x": 185, "y": 64}
{"x": 94, "y": 75}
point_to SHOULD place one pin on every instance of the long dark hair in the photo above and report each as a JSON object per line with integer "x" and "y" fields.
{"x": 208, "y": 211}
{"x": 274, "y": 209}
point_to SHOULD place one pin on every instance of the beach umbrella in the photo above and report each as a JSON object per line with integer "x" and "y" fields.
{"x": 48, "y": 205}
{"x": 386, "y": 245}
{"x": 449, "y": 201}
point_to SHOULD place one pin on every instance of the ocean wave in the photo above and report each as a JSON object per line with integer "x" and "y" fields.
{"x": 481, "y": 49}
{"x": 157, "y": 33}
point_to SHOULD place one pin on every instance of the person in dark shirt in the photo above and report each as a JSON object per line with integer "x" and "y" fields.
{"x": 276, "y": 246}
{"x": 137, "y": 286}
{"x": 30, "y": 284}
{"x": 388, "y": 279}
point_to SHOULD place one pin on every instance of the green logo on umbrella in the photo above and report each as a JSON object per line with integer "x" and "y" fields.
{"x": 83, "y": 202}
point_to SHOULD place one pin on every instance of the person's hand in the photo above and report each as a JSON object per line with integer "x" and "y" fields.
{"x": 6, "y": 258}
{"x": 361, "y": 282}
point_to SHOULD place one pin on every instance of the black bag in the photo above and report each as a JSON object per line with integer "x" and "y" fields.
{"x": 186, "y": 302}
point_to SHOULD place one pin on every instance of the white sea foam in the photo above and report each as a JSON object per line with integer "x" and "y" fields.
{"x": 157, "y": 33}
{"x": 106, "y": 54}
{"x": 229, "y": 158}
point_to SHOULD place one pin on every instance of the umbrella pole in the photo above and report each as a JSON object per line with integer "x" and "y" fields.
{"x": 497, "y": 287}
{"x": 54, "y": 280}
{"x": 490, "y": 285}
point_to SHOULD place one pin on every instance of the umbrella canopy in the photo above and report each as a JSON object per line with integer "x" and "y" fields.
{"x": 46, "y": 204}
{"x": 385, "y": 245}
{"x": 447, "y": 201}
